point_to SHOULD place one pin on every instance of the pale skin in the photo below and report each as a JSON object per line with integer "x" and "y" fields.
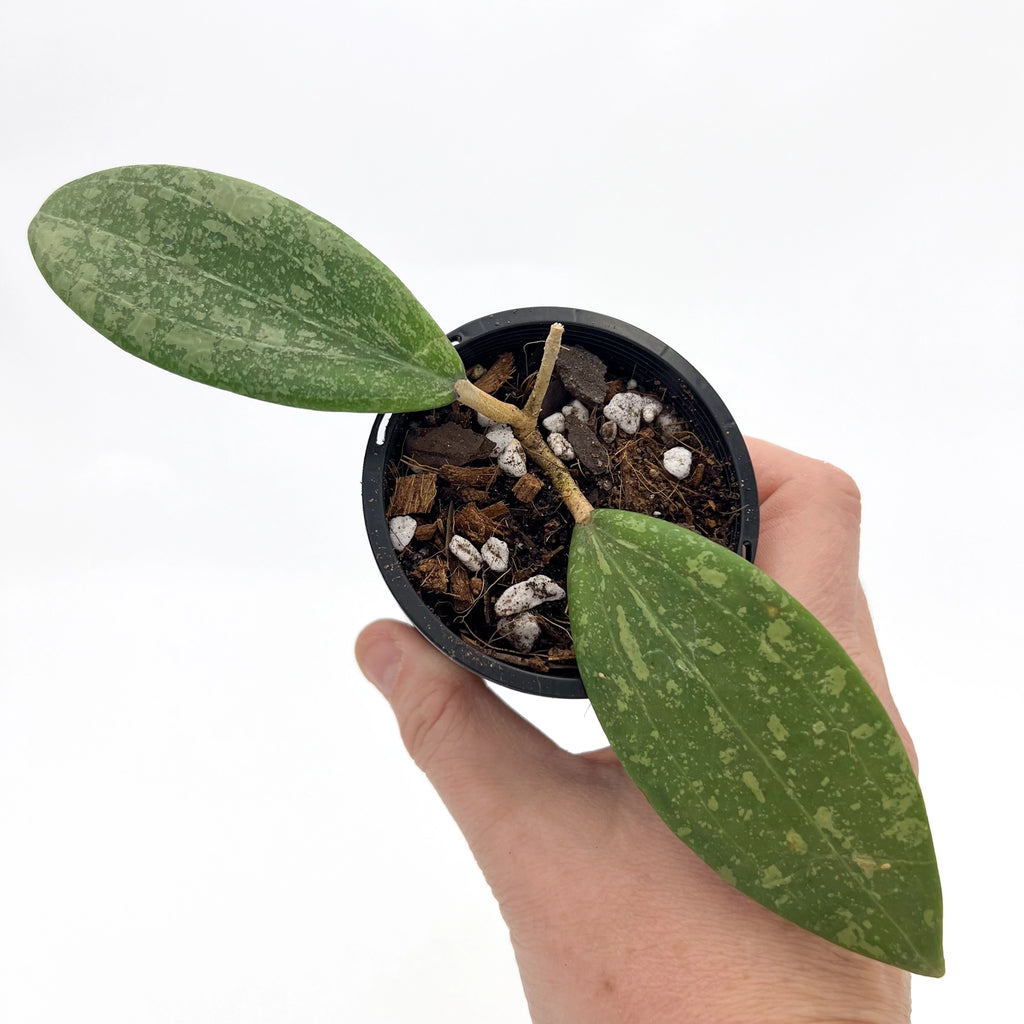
{"x": 640, "y": 931}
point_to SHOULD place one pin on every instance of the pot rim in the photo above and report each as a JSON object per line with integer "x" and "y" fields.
{"x": 386, "y": 424}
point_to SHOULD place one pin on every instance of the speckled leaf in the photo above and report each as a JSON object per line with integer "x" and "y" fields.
{"x": 224, "y": 282}
{"x": 754, "y": 736}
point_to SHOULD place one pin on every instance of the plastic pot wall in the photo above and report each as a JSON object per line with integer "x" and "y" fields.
{"x": 629, "y": 353}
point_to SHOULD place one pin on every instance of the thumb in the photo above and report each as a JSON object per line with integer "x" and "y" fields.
{"x": 484, "y": 760}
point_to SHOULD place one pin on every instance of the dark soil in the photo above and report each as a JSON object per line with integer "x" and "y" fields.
{"x": 447, "y": 479}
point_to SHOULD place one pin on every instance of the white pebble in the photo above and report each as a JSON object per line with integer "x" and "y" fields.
{"x": 555, "y": 423}
{"x": 495, "y": 553}
{"x": 561, "y": 447}
{"x": 608, "y": 430}
{"x": 513, "y": 459}
{"x": 500, "y": 435}
{"x": 464, "y": 551}
{"x": 678, "y": 462}
{"x": 576, "y": 408}
{"x": 631, "y": 386}
{"x": 521, "y": 597}
{"x": 625, "y": 409}
{"x": 521, "y": 632}
{"x": 667, "y": 421}
{"x": 401, "y": 529}
{"x": 651, "y": 409}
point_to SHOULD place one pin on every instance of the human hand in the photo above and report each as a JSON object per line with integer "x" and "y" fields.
{"x": 611, "y": 917}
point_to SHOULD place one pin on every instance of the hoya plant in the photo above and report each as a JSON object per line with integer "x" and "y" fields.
{"x": 739, "y": 716}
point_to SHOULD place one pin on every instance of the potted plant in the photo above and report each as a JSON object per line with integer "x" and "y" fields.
{"x": 717, "y": 481}
{"x": 746, "y": 725}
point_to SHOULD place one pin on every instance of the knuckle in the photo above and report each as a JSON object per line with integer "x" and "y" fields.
{"x": 837, "y": 485}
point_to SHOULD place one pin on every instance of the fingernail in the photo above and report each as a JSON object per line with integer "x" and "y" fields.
{"x": 380, "y": 663}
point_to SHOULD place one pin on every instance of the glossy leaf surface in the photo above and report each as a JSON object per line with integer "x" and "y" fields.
{"x": 754, "y": 736}
{"x": 227, "y": 283}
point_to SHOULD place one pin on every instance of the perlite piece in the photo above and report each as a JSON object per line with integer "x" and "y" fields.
{"x": 500, "y": 435}
{"x": 513, "y": 459}
{"x": 625, "y": 409}
{"x": 521, "y": 597}
{"x": 628, "y": 409}
{"x": 495, "y": 553}
{"x": 651, "y": 408}
{"x": 401, "y": 529}
{"x": 678, "y": 462}
{"x": 466, "y": 553}
{"x": 561, "y": 447}
{"x": 576, "y": 408}
{"x": 521, "y": 631}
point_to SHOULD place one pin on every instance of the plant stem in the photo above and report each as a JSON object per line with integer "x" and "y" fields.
{"x": 524, "y": 425}
{"x": 561, "y": 479}
{"x": 493, "y": 408}
{"x": 552, "y": 344}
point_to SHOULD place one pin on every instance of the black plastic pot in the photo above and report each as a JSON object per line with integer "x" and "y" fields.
{"x": 628, "y": 352}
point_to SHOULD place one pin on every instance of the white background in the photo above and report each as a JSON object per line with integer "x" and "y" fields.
{"x": 205, "y": 812}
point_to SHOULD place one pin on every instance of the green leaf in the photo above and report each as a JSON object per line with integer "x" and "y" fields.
{"x": 224, "y": 282}
{"x": 754, "y": 736}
